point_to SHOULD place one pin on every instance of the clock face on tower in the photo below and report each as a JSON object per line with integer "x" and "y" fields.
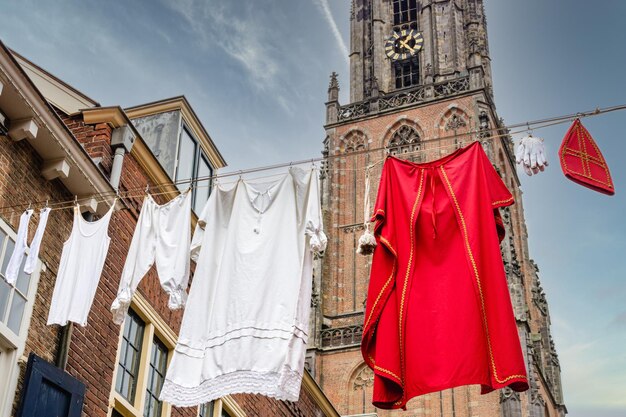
{"x": 403, "y": 44}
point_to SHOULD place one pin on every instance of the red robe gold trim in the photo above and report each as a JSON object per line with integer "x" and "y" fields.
{"x": 439, "y": 312}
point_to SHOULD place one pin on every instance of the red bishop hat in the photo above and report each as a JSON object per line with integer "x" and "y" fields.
{"x": 582, "y": 161}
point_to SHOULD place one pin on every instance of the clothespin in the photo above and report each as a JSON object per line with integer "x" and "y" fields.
{"x": 147, "y": 188}
{"x": 528, "y": 129}
{"x": 75, "y": 200}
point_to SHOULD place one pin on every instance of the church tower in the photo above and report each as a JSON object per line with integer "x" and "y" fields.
{"x": 420, "y": 84}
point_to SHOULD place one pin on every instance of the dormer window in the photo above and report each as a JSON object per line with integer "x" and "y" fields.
{"x": 181, "y": 145}
{"x": 191, "y": 164}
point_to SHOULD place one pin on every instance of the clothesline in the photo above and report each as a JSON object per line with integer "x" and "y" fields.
{"x": 193, "y": 183}
{"x": 142, "y": 191}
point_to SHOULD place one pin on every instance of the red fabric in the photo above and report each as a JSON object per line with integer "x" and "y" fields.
{"x": 582, "y": 161}
{"x": 439, "y": 312}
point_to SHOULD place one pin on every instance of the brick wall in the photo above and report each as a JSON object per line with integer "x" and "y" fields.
{"x": 20, "y": 183}
{"x": 260, "y": 406}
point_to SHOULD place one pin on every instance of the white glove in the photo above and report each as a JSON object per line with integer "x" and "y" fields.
{"x": 531, "y": 154}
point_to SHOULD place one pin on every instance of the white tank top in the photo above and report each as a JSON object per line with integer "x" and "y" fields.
{"x": 81, "y": 265}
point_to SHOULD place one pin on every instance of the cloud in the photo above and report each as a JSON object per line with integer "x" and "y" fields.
{"x": 325, "y": 9}
{"x": 244, "y": 36}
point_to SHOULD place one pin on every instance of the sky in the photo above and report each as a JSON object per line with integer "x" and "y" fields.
{"x": 257, "y": 74}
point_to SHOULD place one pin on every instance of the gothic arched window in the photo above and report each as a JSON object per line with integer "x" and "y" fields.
{"x": 362, "y": 386}
{"x": 455, "y": 124}
{"x": 349, "y": 176}
{"x": 405, "y": 140}
{"x": 354, "y": 141}
{"x": 511, "y": 403}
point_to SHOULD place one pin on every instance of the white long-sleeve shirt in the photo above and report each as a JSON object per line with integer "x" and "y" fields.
{"x": 245, "y": 328}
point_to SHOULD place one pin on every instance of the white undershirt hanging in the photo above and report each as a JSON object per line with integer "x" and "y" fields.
{"x": 162, "y": 235}
{"x": 80, "y": 268}
{"x": 13, "y": 267}
{"x": 21, "y": 246}
{"x": 35, "y": 245}
{"x": 245, "y": 327}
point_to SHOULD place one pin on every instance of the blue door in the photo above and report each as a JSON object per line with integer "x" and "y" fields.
{"x": 49, "y": 391}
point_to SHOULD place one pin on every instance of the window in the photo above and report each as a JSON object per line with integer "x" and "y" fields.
{"x": 16, "y": 303}
{"x": 156, "y": 376}
{"x": 187, "y": 150}
{"x": 130, "y": 351}
{"x": 404, "y": 11}
{"x": 192, "y": 163}
{"x": 206, "y": 410}
{"x": 362, "y": 389}
{"x": 406, "y": 140}
{"x": 203, "y": 188}
{"x": 225, "y": 407}
{"x": 406, "y": 73}
{"x": 143, "y": 354}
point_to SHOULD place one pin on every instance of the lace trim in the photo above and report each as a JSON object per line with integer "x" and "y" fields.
{"x": 282, "y": 386}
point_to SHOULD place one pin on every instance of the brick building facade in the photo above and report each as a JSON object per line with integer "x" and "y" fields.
{"x": 424, "y": 103}
{"x": 56, "y": 144}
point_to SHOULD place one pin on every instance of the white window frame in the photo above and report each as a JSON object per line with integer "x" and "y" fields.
{"x": 12, "y": 345}
{"x": 154, "y": 326}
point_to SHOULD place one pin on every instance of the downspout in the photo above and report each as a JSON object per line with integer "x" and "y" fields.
{"x": 122, "y": 140}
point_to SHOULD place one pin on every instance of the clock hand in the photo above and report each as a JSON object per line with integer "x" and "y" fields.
{"x": 403, "y": 43}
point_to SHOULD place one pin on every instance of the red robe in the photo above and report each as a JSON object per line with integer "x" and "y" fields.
{"x": 439, "y": 312}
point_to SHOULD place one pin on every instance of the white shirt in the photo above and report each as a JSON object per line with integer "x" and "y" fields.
{"x": 246, "y": 321}
{"x": 162, "y": 236}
